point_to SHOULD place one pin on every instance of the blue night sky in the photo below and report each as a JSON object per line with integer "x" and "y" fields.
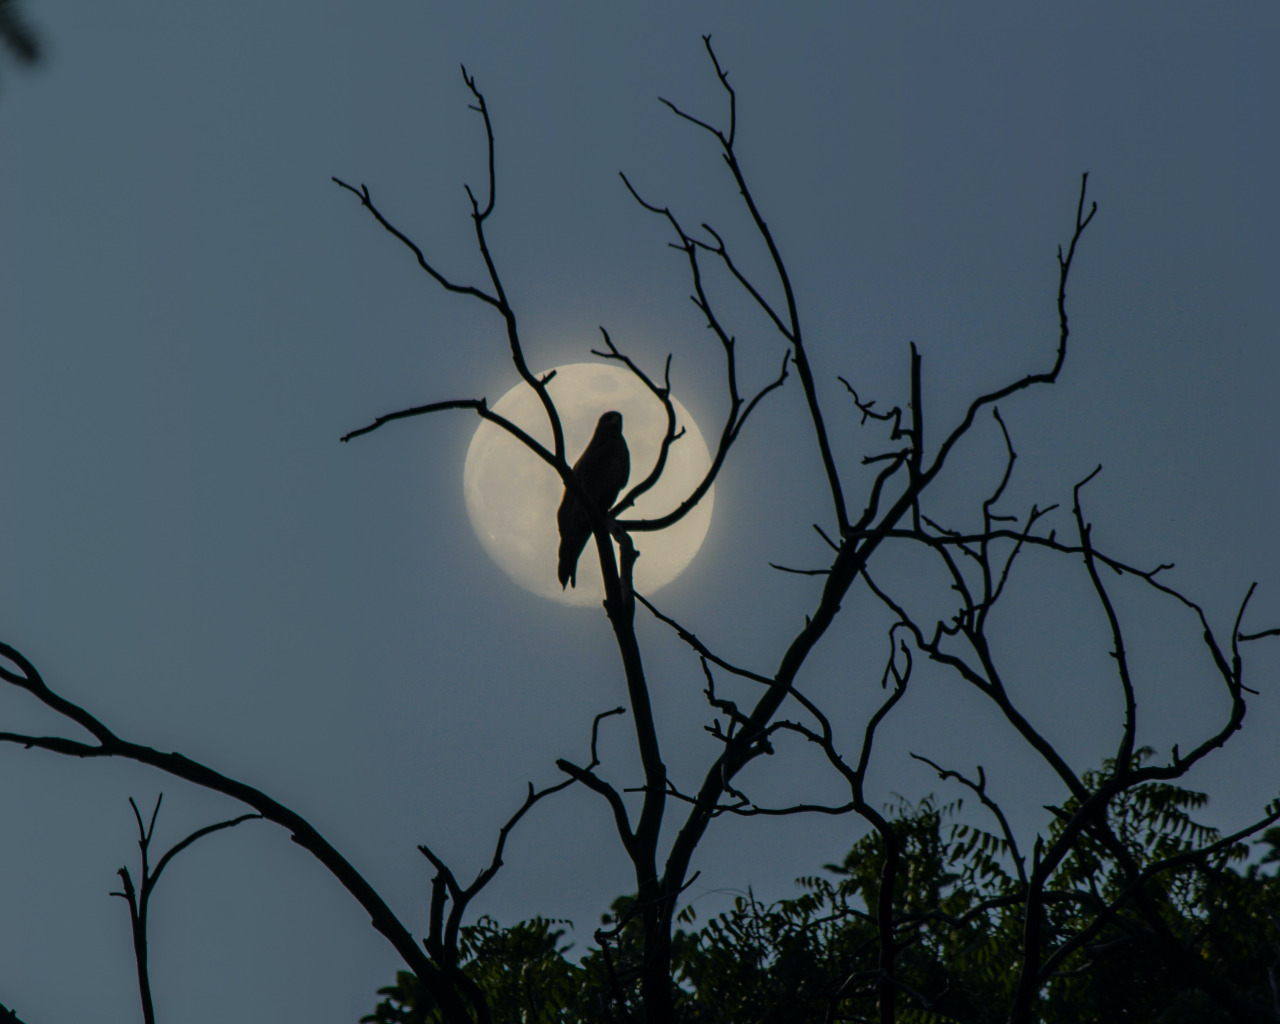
{"x": 192, "y": 313}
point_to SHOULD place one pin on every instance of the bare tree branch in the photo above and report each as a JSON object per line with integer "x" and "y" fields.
{"x": 980, "y": 789}
{"x": 1124, "y": 755}
{"x": 792, "y": 330}
{"x": 139, "y": 899}
{"x": 670, "y": 435}
{"x": 301, "y": 831}
{"x": 9, "y": 1016}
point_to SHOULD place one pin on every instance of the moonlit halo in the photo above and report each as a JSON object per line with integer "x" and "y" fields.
{"x": 512, "y": 495}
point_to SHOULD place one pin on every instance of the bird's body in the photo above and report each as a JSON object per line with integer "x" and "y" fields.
{"x": 602, "y": 470}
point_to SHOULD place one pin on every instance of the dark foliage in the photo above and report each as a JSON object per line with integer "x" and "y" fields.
{"x": 959, "y": 910}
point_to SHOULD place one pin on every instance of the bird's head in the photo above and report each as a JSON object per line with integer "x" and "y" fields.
{"x": 610, "y": 422}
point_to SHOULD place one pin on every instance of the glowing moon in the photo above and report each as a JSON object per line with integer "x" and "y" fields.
{"x": 512, "y": 495}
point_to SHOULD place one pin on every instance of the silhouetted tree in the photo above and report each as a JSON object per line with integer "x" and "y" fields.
{"x": 958, "y": 910}
{"x": 983, "y": 923}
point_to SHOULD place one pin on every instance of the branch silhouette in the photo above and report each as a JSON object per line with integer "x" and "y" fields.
{"x": 139, "y": 897}
{"x": 1065, "y": 920}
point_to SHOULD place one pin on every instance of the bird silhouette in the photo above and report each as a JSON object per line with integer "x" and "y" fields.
{"x": 602, "y": 470}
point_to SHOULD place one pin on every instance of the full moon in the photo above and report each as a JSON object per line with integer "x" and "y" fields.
{"x": 512, "y": 495}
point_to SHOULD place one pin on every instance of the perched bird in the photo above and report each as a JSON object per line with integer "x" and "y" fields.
{"x": 602, "y": 470}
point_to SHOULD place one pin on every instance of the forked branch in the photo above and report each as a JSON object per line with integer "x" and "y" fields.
{"x": 108, "y": 744}
{"x": 790, "y": 324}
{"x": 139, "y": 897}
{"x": 442, "y": 939}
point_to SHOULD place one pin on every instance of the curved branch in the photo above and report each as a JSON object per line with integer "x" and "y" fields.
{"x": 462, "y": 897}
{"x": 366, "y": 200}
{"x": 1124, "y": 755}
{"x": 1050, "y": 375}
{"x": 736, "y": 416}
{"x": 663, "y": 394}
{"x": 301, "y": 831}
{"x": 792, "y": 331}
{"x": 980, "y": 789}
{"x": 498, "y": 300}
{"x": 139, "y": 900}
